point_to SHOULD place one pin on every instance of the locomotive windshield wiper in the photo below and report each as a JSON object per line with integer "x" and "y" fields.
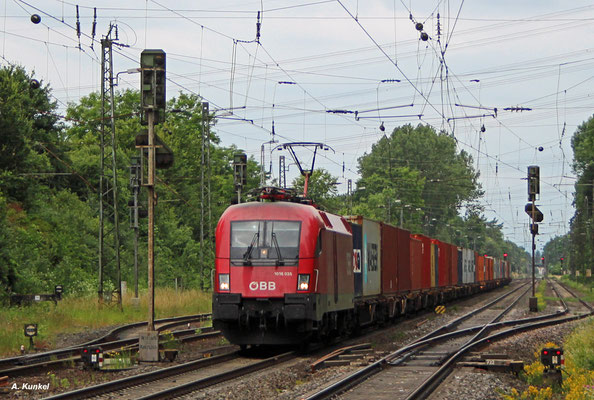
{"x": 279, "y": 260}
{"x": 248, "y": 254}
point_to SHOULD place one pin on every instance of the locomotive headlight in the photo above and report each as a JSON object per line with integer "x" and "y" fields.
{"x": 303, "y": 282}
{"x": 224, "y": 282}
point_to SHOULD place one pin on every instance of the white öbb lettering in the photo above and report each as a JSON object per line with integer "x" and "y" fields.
{"x": 262, "y": 285}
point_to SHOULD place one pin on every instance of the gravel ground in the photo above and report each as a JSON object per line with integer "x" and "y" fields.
{"x": 294, "y": 379}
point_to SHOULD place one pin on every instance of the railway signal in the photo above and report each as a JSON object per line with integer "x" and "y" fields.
{"x": 536, "y": 216}
{"x": 534, "y": 212}
{"x": 163, "y": 154}
{"x": 553, "y": 359}
{"x": 30, "y": 330}
{"x": 92, "y": 357}
{"x": 533, "y": 182}
{"x": 152, "y": 101}
{"x": 239, "y": 173}
{"x": 152, "y": 87}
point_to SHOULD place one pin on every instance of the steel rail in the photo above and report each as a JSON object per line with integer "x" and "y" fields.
{"x": 186, "y": 335}
{"x": 429, "y": 385}
{"x": 393, "y": 358}
{"x": 146, "y": 377}
{"x": 222, "y": 377}
{"x": 585, "y": 304}
{"x": 464, "y": 317}
{"x": 66, "y": 352}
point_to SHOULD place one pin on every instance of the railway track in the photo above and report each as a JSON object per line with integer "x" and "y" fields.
{"x": 124, "y": 336}
{"x": 402, "y": 375}
{"x": 180, "y": 379}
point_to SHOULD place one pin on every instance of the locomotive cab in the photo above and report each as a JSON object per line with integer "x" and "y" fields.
{"x": 275, "y": 266}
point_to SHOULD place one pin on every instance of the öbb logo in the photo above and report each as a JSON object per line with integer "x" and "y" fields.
{"x": 262, "y": 286}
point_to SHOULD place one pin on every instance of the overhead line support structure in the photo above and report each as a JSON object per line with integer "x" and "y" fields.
{"x": 108, "y": 188}
{"x": 205, "y": 192}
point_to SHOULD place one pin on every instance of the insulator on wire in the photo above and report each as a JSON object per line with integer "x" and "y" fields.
{"x": 424, "y": 36}
{"x": 258, "y": 25}
{"x": 77, "y": 23}
{"x": 93, "y": 30}
{"x": 419, "y": 26}
{"x": 35, "y": 18}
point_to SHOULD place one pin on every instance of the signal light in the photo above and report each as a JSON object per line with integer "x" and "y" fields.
{"x": 533, "y": 182}
{"x": 552, "y": 358}
{"x": 152, "y": 84}
{"x": 240, "y": 169}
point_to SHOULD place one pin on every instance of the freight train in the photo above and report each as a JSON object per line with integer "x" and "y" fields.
{"x": 287, "y": 272}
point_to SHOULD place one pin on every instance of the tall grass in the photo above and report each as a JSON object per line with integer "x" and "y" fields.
{"x": 72, "y": 315}
{"x": 584, "y": 288}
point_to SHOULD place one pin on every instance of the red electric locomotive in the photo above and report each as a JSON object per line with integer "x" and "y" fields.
{"x": 283, "y": 273}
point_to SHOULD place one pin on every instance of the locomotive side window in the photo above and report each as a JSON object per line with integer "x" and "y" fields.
{"x": 265, "y": 242}
{"x": 319, "y": 245}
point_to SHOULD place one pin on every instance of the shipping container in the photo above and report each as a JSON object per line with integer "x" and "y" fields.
{"x": 489, "y": 261}
{"x": 404, "y": 270}
{"x": 434, "y": 262}
{"x": 389, "y": 272}
{"x": 357, "y": 258}
{"x": 370, "y": 245}
{"x": 426, "y": 261}
{"x": 460, "y": 265}
{"x": 445, "y": 264}
{"x": 468, "y": 266}
{"x": 453, "y": 265}
{"x": 480, "y": 267}
{"x": 416, "y": 263}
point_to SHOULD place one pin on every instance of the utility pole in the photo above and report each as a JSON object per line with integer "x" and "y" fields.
{"x": 108, "y": 188}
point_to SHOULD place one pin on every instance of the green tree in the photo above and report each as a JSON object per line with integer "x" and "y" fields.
{"x": 582, "y": 223}
{"x": 29, "y": 136}
{"x": 321, "y": 189}
{"x": 422, "y": 169}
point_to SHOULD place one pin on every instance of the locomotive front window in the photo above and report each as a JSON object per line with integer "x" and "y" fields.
{"x": 265, "y": 242}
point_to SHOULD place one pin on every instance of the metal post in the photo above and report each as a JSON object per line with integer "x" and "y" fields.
{"x": 282, "y": 179}
{"x": 533, "y": 244}
{"x": 108, "y": 173}
{"x": 135, "y": 185}
{"x": 533, "y": 301}
{"x": 151, "y": 218}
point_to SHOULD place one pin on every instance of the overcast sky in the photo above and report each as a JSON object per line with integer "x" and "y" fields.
{"x": 349, "y": 55}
